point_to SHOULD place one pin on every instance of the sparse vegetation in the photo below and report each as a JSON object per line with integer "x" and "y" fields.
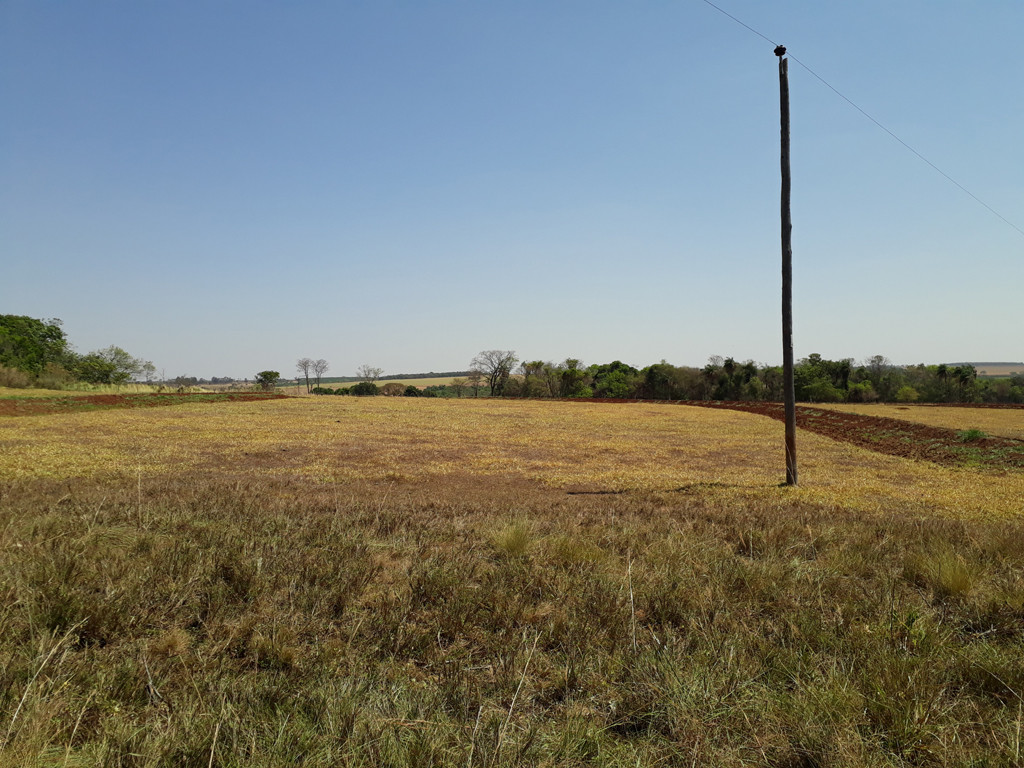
{"x": 971, "y": 435}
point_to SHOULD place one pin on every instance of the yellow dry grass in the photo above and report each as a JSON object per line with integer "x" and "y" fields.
{"x": 1000, "y": 370}
{"x": 429, "y": 382}
{"x": 571, "y": 446}
{"x": 999, "y": 422}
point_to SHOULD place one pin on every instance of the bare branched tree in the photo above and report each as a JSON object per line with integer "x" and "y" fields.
{"x": 496, "y": 366}
{"x": 319, "y": 369}
{"x": 304, "y": 365}
{"x": 369, "y": 373}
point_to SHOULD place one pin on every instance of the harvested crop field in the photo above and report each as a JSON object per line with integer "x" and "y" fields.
{"x": 573, "y": 446}
{"x": 409, "y": 582}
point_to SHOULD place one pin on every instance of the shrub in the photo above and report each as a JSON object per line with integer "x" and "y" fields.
{"x": 11, "y": 377}
{"x": 970, "y": 435}
{"x": 821, "y": 391}
{"x": 54, "y": 376}
{"x": 411, "y": 391}
{"x": 392, "y": 389}
{"x": 906, "y": 394}
{"x": 862, "y": 392}
{"x": 364, "y": 389}
{"x": 322, "y": 391}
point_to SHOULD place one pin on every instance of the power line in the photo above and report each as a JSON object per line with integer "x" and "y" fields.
{"x": 849, "y": 101}
{"x": 740, "y": 22}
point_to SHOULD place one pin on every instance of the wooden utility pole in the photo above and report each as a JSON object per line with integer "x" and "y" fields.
{"x": 789, "y": 389}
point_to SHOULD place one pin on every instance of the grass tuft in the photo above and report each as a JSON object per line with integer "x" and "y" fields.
{"x": 513, "y": 540}
{"x": 945, "y": 572}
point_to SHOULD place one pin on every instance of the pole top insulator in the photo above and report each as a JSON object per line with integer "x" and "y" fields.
{"x": 780, "y": 50}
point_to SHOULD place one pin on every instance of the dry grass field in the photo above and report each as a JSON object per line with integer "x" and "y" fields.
{"x": 1002, "y": 422}
{"x": 417, "y": 382}
{"x": 591, "y": 447}
{"x": 1000, "y": 370}
{"x": 413, "y": 582}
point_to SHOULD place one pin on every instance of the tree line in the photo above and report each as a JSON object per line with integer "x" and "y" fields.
{"x": 36, "y": 352}
{"x": 502, "y": 374}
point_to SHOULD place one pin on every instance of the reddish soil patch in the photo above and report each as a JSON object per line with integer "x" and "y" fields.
{"x": 894, "y": 437}
{"x": 35, "y": 406}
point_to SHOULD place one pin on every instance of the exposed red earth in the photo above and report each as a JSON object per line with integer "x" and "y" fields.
{"x": 894, "y": 437}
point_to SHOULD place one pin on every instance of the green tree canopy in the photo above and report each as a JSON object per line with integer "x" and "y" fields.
{"x": 28, "y": 344}
{"x": 108, "y": 366}
{"x": 267, "y": 379}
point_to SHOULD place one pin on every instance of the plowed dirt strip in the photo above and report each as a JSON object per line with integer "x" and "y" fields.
{"x": 893, "y": 436}
{"x": 36, "y": 406}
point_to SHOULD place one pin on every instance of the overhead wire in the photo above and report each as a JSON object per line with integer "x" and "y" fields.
{"x": 853, "y": 104}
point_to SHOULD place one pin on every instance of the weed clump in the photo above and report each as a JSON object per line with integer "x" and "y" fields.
{"x": 970, "y": 435}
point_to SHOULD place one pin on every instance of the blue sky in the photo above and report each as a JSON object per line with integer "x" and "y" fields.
{"x": 224, "y": 187}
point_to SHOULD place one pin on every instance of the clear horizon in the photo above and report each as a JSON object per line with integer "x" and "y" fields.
{"x": 223, "y": 189}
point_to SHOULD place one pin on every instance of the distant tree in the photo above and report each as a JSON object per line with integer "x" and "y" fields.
{"x": 363, "y": 388}
{"x": 28, "y": 344}
{"x": 459, "y": 386}
{"x": 533, "y": 379}
{"x": 304, "y": 365}
{"x": 551, "y": 379}
{"x": 615, "y": 379}
{"x": 319, "y": 369}
{"x": 966, "y": 378}
{"x": 513, "y": 387}
{"x": 906, "y": 394}
{"x": 107, "y": 366}
{"x": 267, "y": 380}
{"x": 862, "y": 392}
{"x": 475, "y": 380}
{"x": 709, "y": 375}
{"x": 368, "y": 373}
{"x": 392, "y": 389}
{"x": 412, "y": 391}
{"x": 496, "y": 365}
{"x": 658, "y": 381}
{"x": 574, "y": 380}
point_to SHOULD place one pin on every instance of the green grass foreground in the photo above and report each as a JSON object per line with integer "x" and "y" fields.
{"x": 274, "y": 623}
